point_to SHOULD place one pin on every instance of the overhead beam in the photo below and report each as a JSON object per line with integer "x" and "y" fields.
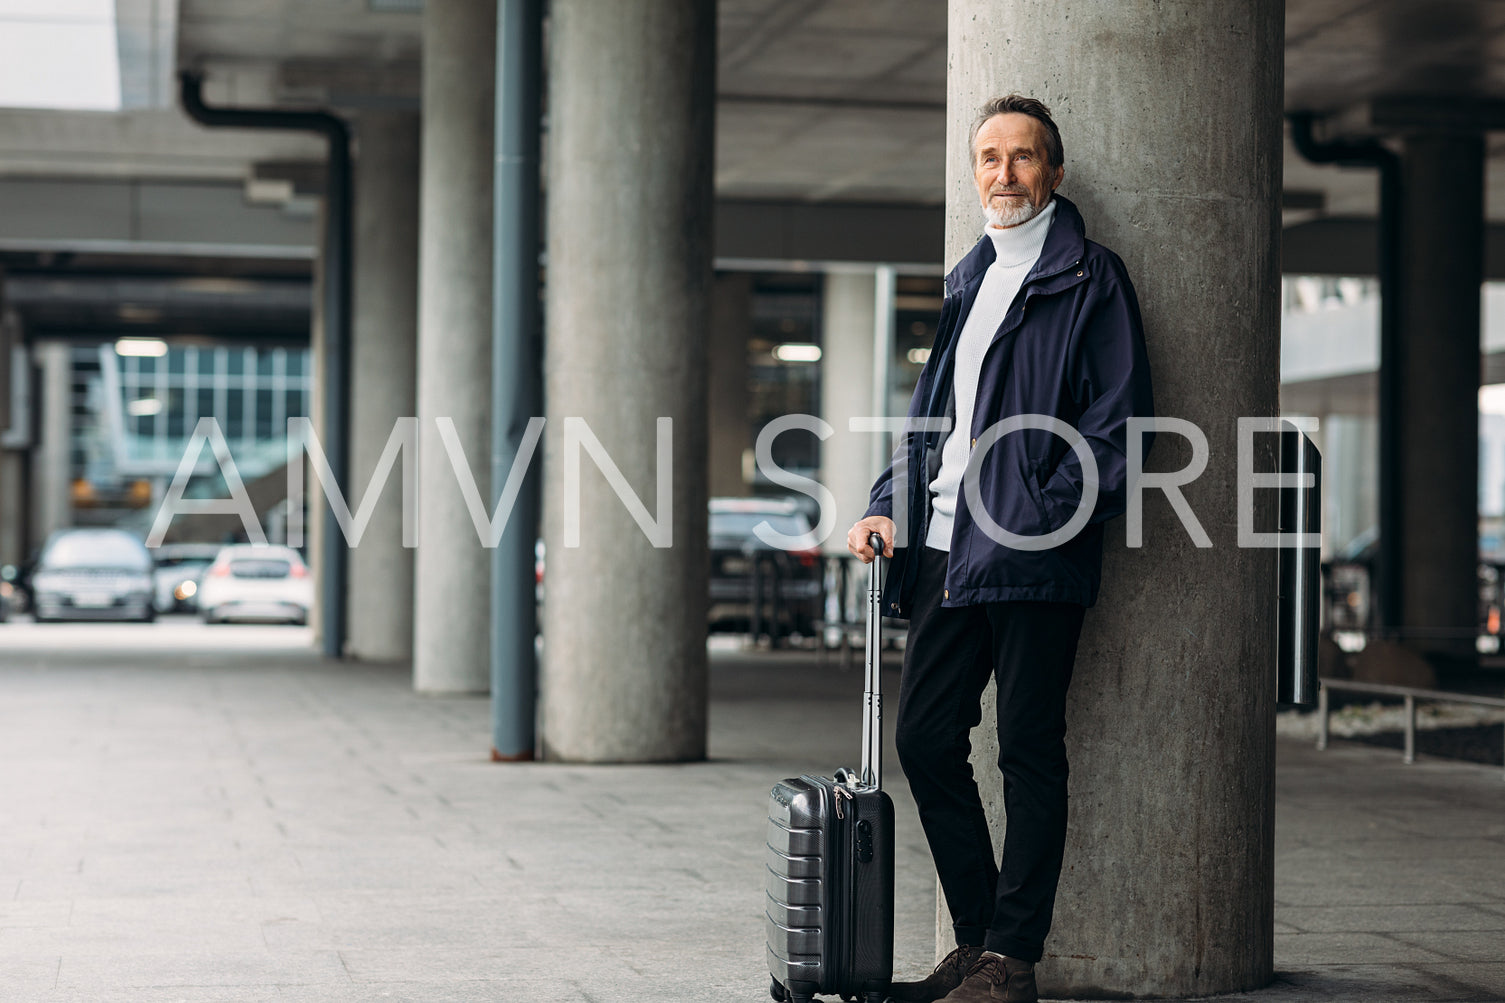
{"x": 1345, "y": 245}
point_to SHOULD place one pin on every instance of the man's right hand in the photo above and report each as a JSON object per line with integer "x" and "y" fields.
{"x": 858, "y": 535}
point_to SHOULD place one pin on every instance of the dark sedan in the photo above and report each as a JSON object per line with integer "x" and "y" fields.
{"x": 93, "y": 574}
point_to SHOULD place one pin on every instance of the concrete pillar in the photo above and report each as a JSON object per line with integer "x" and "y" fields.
{"x": 314, "y": 499}
{"x": 13, "y": 541}
{"x": 631, "y": 101}
{"x": 1442, "y": 270}
{"x": 52, "y": 467}
{"x": 846, "y": 392}
{"x": 10, "y": 329}
{"x": 14, "y": 547}
{"x": 452, "y": 580}
{"x": 379, "y": 588}
{"x": 1168, "y": 881}
{"x": 731, "y": 431}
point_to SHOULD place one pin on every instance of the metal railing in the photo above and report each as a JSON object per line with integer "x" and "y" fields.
{"x": 1409, "y": 695}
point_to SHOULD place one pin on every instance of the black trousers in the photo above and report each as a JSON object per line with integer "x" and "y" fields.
{"x": 1029, "y": 649}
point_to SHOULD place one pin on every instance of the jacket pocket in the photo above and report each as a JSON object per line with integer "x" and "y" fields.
{"x": 1039, "y": 474}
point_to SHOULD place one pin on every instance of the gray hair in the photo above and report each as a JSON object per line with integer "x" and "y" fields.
{"x": 1018, "y": 104}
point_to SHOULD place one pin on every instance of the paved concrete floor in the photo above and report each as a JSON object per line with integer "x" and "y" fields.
{"x": 190, "y": 825}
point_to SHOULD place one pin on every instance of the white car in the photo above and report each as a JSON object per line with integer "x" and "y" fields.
{"x": 252, "y": 582}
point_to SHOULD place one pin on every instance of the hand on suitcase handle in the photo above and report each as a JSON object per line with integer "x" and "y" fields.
{"x": 860, "y": 538}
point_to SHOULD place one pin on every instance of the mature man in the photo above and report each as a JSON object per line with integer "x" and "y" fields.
{"x": 1040, "y": 325}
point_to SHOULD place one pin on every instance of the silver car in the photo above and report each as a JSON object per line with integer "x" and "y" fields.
{"x": 93, "y": 574}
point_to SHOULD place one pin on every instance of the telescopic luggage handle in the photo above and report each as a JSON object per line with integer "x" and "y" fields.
{"x": 872, "y": 722}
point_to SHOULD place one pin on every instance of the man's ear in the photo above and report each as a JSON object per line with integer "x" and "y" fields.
{"x": 1060, "y": 173}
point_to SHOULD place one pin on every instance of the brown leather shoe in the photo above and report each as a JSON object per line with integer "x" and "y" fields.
{"x": 946, "y": 977}
{"x": 995, "y": 979}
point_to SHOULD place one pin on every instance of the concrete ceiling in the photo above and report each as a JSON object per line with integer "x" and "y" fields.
{"x": 801, "y": 83}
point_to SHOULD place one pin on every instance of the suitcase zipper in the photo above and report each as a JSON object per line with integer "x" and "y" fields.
{"x": 840, "y": 896}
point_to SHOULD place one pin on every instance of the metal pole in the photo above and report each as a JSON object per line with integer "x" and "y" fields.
{"x": 1410, "y": 729}
{"x": 337, "y": 280}
{"x": 516, "y": 374}
{"x": 755, "y": 616}
{"x": 1300, "y": 589}
{"x": 1321, "y": 718}
{"x": 885, "y": 284}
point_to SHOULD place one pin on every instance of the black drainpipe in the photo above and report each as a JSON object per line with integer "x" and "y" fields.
{"x": 337, "y": 280}
{"x": 1375, "y": 154}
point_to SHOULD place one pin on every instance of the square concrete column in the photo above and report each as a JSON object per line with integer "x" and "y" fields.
{"x": 848, "y": 307}
{"x": 631, "y": 100}
{"x": 384, "y": 355}
{"x": 52, "y": 467}
{"x": 1169, "y": 111}
{"x": 1442, "y": 270}
{"x": 452, "y": 576}
{"x": 731, "y": 326}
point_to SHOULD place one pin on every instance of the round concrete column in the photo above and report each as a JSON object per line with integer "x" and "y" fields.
{"x": 1442, "y": 269}
{"x": 1170, "y": 115}
{"x": 384, "y": 350}
{"x": 631, "y": 89}
{"x": 451, "y": 648}
{"x": 846, "y": 392}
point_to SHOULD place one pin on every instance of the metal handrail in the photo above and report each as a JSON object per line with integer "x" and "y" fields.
{"x": 1410, "y": 694}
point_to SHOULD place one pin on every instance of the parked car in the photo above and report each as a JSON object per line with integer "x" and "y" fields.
{"x": 736, "y": 548}
{"x": 93, "y": 574}
{"x": 179, "y": 569}
{"x": 256, "y": 582}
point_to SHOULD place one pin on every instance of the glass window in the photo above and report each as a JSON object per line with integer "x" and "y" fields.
{"x": 297, "y": 404}
{"x": 176, "y": 416}
{"x": 177, "y": 361}
{"x": 264, "y": 363}
{"x": 206, "y": 404}
{"x": 296, "y": 362}
{"x": 206, "y": 363}
{"x": 97, "y": 549}
{"x": 264, "y": 414}
{"x": 234, "y": 420}
{"x": 236, "y": 359}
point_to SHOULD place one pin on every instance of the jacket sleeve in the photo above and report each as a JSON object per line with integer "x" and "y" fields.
{"x": 1111, "y": 383}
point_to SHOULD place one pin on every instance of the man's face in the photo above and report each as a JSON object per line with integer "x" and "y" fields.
{"x": 1009, "y": 162}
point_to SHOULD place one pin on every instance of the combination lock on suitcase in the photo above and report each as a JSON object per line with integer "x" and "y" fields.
{"x": 830, "y": 880}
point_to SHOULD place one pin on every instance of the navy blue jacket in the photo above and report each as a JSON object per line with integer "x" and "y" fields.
{"x": 1071, "y": 346}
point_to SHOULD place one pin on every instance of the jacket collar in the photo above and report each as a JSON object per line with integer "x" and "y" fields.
{"x": 1064, "y": 247}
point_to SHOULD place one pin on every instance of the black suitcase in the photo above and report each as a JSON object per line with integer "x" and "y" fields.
{"x": 830, "y": 880}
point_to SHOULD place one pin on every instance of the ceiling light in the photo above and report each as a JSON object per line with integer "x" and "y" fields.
{"x": 144, "y": 407}
{"x": 794, "y": 352}
{"x": 146, "y": 348}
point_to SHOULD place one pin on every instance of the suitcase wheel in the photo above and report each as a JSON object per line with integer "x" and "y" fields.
{"x": 777, "y": 991}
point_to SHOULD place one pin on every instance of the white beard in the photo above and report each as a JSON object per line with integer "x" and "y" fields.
{"x": 1013, "y": 213}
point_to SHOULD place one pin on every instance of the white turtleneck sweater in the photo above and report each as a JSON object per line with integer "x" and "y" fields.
{"x": 1017, "y": 249}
